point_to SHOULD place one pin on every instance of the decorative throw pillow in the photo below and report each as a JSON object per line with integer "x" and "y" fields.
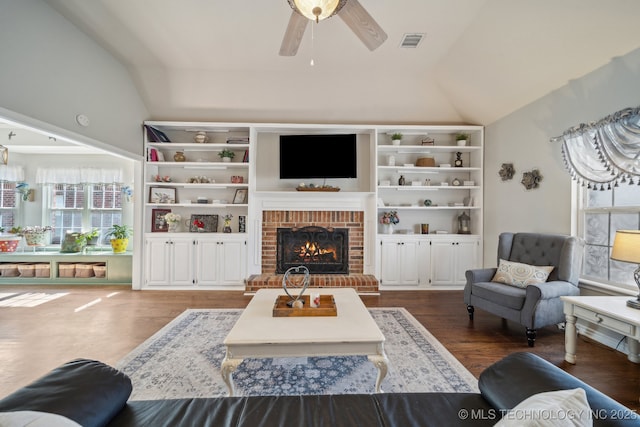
{"x": 553, "y": 408}
{"x": 521, "y": 275}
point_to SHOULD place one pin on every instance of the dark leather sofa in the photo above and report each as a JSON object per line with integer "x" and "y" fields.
{"x": 94, "y": 394}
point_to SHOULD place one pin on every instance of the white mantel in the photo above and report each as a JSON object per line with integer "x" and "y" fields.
{"x": 314, "y": 201}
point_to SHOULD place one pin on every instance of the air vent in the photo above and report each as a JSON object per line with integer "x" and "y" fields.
{"x": 411, "y": 40}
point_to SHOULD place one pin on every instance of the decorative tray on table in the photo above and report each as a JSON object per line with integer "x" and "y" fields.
{"x": 327, "y": 307}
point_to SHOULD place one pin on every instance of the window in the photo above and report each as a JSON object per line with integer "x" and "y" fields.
{"x": 600, "y": 214}
{"x": 83, "y": 207}
{"x": 7, "y": 204}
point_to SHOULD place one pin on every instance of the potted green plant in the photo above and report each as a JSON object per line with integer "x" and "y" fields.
{"x": 462, "y": 138}
{"x": 89, "y": 238}
{"x": 396, "y": 138}
{"x": 226, "y": 155}
{"x": 119, "y": 235}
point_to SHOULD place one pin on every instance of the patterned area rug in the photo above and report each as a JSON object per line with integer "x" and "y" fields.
{"x": 183, "y": 360}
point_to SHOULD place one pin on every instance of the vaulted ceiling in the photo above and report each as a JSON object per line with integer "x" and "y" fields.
{"x": 479, "y": 59}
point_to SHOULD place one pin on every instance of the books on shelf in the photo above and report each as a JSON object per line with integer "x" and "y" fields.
{"x": 238, "y": 140}
{"x": 156, "y": 135}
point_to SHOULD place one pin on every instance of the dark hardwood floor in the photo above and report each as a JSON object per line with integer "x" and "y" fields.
{"x": 115, "y": 320}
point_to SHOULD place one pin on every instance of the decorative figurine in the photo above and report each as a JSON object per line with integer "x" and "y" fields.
{"x": 287, "y": 280}
{"x": 458, "y": 161}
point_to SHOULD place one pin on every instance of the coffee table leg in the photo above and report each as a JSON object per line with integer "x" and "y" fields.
{"x": 228, "y": 366}
{"x": 381, "y": 363}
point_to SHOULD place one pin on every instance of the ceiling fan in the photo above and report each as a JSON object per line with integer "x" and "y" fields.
{"x": 350, "y": 11}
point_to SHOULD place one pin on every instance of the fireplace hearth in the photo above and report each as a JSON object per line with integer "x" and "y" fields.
{"x": 321, "y": 250}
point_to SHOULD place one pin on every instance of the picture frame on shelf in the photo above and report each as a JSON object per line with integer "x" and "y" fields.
{"x": 158, "y": 223}
{"x": 240, "y": 197}
{"x": 163, "y": 195}
{"x": 209, "y": 223}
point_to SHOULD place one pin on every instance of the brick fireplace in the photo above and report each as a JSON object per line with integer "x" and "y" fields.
{"x": 352, "y": 221}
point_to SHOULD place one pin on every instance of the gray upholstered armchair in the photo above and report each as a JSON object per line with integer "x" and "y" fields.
{"x": 537, "y": 304}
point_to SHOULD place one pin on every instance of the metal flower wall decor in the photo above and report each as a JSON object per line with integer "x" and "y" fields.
{"x": 531, "y": 180}
{"x": 605, "y": 152}
{"x": 507, "y": 171}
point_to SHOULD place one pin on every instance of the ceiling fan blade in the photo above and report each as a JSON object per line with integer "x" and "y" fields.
{"x": 362, "y": 24}
{"x": 293, "y": 36}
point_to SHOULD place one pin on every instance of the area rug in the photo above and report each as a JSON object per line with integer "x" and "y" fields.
{"x": 183, "y": 360}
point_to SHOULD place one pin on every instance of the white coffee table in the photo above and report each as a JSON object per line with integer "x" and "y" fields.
{"x": 258, "y": 334}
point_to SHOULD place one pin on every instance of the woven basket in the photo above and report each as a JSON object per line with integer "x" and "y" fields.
{"x": 426, "y": 162}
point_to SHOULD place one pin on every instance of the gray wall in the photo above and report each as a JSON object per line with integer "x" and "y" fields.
{"x": 522, "y": 138}
{"x": 51, "y": 72}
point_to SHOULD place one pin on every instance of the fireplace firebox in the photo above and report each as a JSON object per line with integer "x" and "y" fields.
{"x": 321, "y": 250}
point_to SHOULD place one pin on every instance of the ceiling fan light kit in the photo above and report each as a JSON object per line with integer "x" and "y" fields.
{"x": 317, "y": 10}
{"x": 350, "y": 11}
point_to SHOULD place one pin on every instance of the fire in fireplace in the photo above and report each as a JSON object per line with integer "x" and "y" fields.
{"x": 321, "y": 250}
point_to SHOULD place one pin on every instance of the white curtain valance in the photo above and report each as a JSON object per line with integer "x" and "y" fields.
{"x": 78, "y": 176}
{"x": 604, "y": 152}
{"x": 11, "y": 173}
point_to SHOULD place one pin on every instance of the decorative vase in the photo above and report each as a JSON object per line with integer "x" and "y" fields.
{"x": 226, "y": 159}
{"x": 173, "y": 227}
{"x": 36, "y": 238}
{"x": 71, "y": 244}
{"x": 201, "y": 137}
{"x": 119, "y": 245}
{"x": 387, "y": 228}
{"x": 179, "y": 156}
{"x": 461, "y": 142}
{"x": 396, "y": 141}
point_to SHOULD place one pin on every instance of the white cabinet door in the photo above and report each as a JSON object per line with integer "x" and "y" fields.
{"x": 169, "y": 261}
{"x": 409, "y": 263}
{"x": 157, "y": 256}
{"x": 442, "y": 259}
{"x": 232, "y": 261}
{"x": 181, "y": 261}
{"x": 399, "y": 263}
{"x": 450, "y": 259}
{"x": 207, "y": 254}
{"x": 389, "y": 262}
{"x": 467, "y": 259}
{"x": 220, "y": 261}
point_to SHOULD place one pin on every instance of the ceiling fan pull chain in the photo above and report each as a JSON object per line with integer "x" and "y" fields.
{"x": 312, "y": 63}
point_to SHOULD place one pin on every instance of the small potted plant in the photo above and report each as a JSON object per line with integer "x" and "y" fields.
{"x": 462, "y": 138}
{"x": 226, "y": 155}
{"x": 90, "y": 237}
{"x": 75, "y": 241}
{"x": 396, "y": 138}
{"x": 119, "y": 237}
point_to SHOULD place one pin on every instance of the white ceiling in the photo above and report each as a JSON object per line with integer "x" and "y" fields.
{"x": 480, "y": 59}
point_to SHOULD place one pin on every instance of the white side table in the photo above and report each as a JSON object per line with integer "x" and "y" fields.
{"x": 608, "y": 312}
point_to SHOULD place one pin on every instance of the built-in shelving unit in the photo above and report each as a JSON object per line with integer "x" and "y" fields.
{"x": 451, "y": 183}
{"x": 197, "y": 183}
{"x": 434, "y": 190}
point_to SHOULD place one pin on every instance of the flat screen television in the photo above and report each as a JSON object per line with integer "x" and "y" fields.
{"x": 318, "y": 156}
